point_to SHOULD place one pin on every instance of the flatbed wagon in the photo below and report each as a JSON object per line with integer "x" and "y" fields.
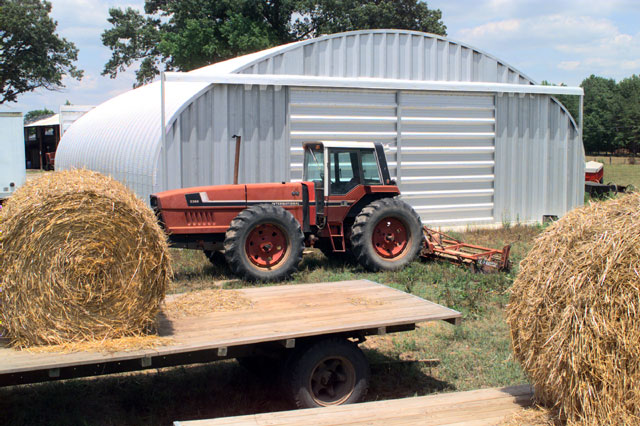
{"x": 310, "y": 330}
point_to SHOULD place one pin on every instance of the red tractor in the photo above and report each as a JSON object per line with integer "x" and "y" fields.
{"x": 346, "y": 202}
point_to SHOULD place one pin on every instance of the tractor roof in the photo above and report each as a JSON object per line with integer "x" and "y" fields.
{"x": 341, "y": 144}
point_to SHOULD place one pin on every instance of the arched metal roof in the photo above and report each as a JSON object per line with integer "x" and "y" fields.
{"x": 122, "y": 137}
{"x": 394, "y": 54}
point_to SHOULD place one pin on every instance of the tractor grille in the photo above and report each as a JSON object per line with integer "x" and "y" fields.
{"x": 199, "y": 218}
{"x": 157, "y": 211}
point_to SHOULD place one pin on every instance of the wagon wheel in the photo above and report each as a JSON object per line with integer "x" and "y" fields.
{"x": 329, "y": 372}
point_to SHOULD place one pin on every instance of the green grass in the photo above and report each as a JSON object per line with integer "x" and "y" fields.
{"x": 473, "y": 355}
{"x": 623, "y": 174}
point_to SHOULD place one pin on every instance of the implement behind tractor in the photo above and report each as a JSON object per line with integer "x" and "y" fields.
{"x": 482, "y": 259}
{"x": 346, "y": 202}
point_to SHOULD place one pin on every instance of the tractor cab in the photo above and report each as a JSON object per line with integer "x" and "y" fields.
{"x": 340, "y": 168}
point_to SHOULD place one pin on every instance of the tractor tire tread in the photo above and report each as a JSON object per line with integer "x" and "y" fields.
{"x": 363, "y": 227}
{"x": 235, "y": 237}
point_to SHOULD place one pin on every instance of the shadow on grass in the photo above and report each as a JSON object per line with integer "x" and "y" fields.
{"x": 391, "y": 379}
{"x": 181, "y": 393}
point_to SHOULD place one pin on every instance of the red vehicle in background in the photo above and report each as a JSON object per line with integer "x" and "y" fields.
{"x": 594, "y": 172}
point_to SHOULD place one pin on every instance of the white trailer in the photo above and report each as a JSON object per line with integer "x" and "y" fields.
{"x": 13, "y": 171}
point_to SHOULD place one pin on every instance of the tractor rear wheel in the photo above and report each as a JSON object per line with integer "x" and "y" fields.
{"x": 264, "y": 243}
{"x": 386, "y": 235}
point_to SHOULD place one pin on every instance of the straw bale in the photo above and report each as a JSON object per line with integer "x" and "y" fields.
{"x": 534, "y": 416}
{"x": 574, "y": 311}
{"x": 203, "y": 302}
{"x": 365, "y": 301}
{"x": 83, "y": 259}
{"x": 120, "y": 344}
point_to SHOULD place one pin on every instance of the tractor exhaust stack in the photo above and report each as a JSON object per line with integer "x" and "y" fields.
{"x": 236, "y": 164}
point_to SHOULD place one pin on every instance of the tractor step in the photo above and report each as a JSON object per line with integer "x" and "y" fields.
{"x": 336, "y": 234}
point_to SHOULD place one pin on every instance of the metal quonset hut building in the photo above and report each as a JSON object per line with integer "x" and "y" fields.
{"x": 469, "y": 139}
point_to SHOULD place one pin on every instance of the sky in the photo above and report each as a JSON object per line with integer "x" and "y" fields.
{"x": 561, "y": 41}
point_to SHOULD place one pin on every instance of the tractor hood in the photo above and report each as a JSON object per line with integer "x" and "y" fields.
{"x": 243, "y": 195}
{"x": 210, "y": 209}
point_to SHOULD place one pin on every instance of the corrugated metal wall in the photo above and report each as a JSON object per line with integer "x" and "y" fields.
{"x": 440, "y": 148}
{"x": 447, "y": 156}
{"x": 339, "y": 115}
{"x": 459, "y": 159}
{"x": 200, "y": 145}
{"x": 539, "y": 159}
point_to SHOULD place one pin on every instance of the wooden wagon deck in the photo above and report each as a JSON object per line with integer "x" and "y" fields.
{"x": 278, "y": 314}
{"x": 486, "y": 407}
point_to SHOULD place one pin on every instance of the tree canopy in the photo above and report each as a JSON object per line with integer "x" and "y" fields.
{"x": 36, "y": 114}
{"x": 628, "y": 114}
{"x": 611, "y": 114}
{"x": 188, "y": 34}
{"x": 32, "y": 55}
{"x": 600, "y": 110}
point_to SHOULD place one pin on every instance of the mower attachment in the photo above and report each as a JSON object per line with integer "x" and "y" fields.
{"x": 481, "y": 259}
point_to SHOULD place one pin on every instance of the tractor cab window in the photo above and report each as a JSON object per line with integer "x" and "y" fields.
{"x": 344, "y": 170}
{"x": 314, "y": 165}
{"x": 370, "y": 172}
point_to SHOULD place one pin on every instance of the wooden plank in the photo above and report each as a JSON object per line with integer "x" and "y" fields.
{"x": 278, "y": 313}
{"x": 397, "y": 311}
{"x": 474, "y": 408}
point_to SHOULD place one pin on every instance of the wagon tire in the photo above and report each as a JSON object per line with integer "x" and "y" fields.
{"x": 327, "y": 373}
{"x": 386, "y": 235}
{"x": 264, "y": 243}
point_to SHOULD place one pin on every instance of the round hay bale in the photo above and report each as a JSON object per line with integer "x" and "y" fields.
{"x": 82, "y": 259}
{"x": 574, "y": 314}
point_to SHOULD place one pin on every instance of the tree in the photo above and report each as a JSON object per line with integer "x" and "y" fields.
{"x": 32, "y": 55}
{"x": 334, "y": 16}
{"x": 570, "y": 102}
{"x": 189, "y": 34}
{"x": 36, "y": 114}
{"x": 600, "y": 114}
{"x": 628, "y": 118}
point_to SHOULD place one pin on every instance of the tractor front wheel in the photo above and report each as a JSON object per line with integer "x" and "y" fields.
{"x": 264, "y": 243}
{"x": 386, "y": 235}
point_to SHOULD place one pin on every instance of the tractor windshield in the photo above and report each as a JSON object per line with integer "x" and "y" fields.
{"x": 314, "y": 164}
